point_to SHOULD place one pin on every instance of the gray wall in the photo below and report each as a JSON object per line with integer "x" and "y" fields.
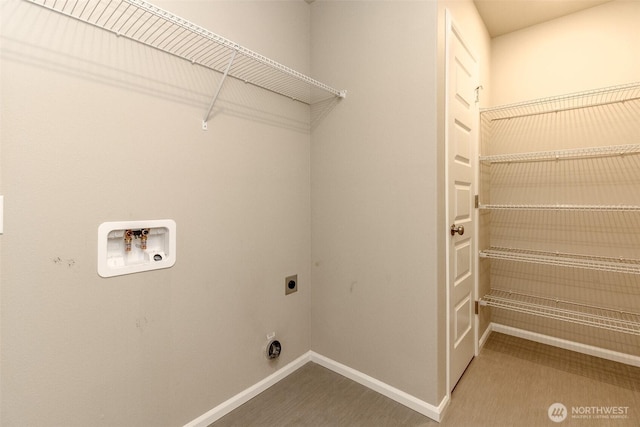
{"x": 374, "y": 193}
{"x": 96, "y": 128}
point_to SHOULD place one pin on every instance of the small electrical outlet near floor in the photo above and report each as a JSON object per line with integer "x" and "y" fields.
{"x": 291, "y": 284}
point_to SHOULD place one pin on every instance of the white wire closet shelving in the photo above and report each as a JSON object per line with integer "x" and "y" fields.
{"x": 600, "y": 263}
{"x": 554, "y": 104}
{"x": 613, "y": 320}
{"x": 585, "y": 208}
{"x": 577, "y": 153}
{"x": 150, "y": 25}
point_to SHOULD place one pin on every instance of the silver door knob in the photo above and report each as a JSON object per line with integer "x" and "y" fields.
{"x": 457, "y": 229}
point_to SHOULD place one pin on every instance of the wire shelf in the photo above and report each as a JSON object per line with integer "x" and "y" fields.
{"x": 577, "y": 153}
{"x": 145, "y": 23}
{"x": 613, "y": 320}
{"x": 587, "y": 208}
{"x": 618, "y": 265}
{"x": 554, "y": 104}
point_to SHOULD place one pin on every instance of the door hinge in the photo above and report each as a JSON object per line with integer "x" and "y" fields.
{"x": 477, "y": 304}
{"x": 478, "y": 89}
{"x": 477, "y": 201}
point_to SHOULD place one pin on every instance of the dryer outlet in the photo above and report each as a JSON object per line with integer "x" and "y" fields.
{"x": 291, "y": 284}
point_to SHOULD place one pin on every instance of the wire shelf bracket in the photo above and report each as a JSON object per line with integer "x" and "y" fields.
{"x": 581, "y": 314}
{"x": 215, "y": 97}
{"x": 142, "y": 22}
{"x": 576, "y": 153}
{"x": 555, "y": 104}
{"x": 582, "y": 208}
{"x": 599, "y": 263}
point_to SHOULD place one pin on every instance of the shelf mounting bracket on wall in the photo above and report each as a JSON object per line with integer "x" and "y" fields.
{"x": 215, "y": 97}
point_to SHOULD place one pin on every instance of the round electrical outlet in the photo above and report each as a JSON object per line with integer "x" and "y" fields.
{"x": 291, "y": 284}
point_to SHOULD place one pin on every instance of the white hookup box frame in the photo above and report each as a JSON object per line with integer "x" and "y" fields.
{"x": 126, "y": 247}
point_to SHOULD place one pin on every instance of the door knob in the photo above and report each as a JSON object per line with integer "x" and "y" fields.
{"x": 457, "y": 229}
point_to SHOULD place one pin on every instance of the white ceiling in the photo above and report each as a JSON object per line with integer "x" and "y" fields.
{"x": 505, "y": 16}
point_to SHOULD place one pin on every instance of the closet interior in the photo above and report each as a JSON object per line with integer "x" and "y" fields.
{"x": 559, "y": 221}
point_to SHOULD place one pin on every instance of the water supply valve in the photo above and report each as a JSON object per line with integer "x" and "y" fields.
{"x": 136, "y": 234}
{"x": 134, "y": 246}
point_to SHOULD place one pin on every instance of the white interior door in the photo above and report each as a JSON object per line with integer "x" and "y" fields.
{"x": 461, "y": 140}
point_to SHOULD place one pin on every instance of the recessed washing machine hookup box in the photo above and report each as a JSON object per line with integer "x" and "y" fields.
{"x": 126, "y": 247}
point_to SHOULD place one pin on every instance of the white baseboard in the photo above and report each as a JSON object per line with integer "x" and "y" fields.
{"x": 225, "y": 407}
{"x": 483, "y": 339}
{"x": 568, "y": 345}
{"x": 412, "y": 402}
{"x": 420, "y": 406}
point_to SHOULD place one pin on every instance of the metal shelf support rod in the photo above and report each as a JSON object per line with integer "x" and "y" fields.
{"x": 215, "y": 97}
